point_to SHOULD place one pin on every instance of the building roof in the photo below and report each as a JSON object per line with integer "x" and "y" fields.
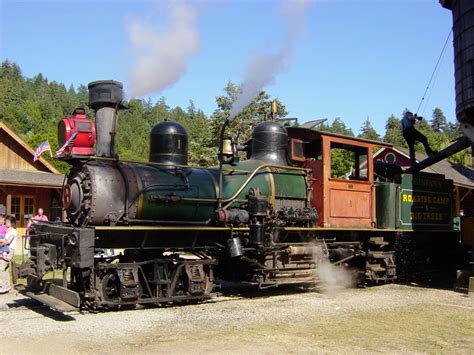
{"x": 24, "y": 145}
{"x": 461, "y": 175}
{"x": 31, "y": 178}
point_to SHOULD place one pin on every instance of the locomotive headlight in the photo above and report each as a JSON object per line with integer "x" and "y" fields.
{"x": 76, "y": 135}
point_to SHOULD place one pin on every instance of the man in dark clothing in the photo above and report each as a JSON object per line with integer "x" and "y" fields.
{"x": 412, "y": 135}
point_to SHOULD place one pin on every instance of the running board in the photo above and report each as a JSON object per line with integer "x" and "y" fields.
{"x": 47, "y": 300}
{"x": 56, "y": 297}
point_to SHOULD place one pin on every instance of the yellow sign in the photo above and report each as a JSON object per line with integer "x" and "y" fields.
{"x": 435, "y": 200}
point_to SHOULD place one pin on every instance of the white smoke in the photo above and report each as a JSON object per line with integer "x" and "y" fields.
{"x": 263, "y": 68}
{"x": 334, "y": 278}
{"x": 161, "y": 56}
{"x": 330, "y": 278}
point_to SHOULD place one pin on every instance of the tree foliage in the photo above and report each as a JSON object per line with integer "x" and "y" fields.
{"x": 32, "y": 107}
{"x": 439, "y": 124}
{"x": 393, "y": 132}
{"x": 257, "y": 111}
{"x": 338, "y": 127}
{"x": 368, "y": 132}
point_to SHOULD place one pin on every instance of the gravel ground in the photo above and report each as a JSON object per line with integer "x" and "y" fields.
{"x": 390, "y": 318}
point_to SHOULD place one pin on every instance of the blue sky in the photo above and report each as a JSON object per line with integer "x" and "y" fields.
{"x": 356, "y": 59}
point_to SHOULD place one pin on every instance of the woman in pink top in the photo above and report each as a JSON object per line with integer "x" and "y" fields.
{"x": 40, "y": 216}
{"x": 3, "y": 227}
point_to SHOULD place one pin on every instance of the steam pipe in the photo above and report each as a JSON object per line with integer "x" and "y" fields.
{"x": 461, "y": 144}
{"x": 221, "y": 160}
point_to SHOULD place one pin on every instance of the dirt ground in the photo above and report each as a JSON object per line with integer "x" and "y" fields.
{"x": 390, "y": 319}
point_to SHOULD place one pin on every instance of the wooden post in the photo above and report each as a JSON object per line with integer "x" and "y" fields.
{"x": 9, "y": 204}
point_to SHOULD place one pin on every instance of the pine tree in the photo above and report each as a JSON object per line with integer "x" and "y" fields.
{"x": 368, "y": 132}
{"x": 439, "y": 122}
{"x": 338, "y": 127}
{"x": 393, "y": 132}
{"x": 191, "y": 109}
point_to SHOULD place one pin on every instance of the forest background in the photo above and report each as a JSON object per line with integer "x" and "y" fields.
{"x": 32, "y": 107}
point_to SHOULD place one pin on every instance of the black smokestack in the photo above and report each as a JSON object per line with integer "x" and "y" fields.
{"x": 105, "y": 97}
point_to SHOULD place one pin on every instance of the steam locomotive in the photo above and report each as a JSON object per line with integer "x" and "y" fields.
{"x": 269, "y": 220}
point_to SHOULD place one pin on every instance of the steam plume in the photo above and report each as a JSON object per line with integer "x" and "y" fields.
{"x": 330, "y": 278}
{"x": 162, "y": 57}
{"x": 263, "y": 68}
{"x": 333, "y": 278}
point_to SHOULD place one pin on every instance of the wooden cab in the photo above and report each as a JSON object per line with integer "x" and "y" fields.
{"x": 342, "y": 179}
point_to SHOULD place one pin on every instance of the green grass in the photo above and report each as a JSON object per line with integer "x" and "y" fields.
{"x": 427, "y": 328}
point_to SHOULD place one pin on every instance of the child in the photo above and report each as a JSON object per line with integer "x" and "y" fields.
{"x": 8, "y": 241}
{"x": 4, "y": 250}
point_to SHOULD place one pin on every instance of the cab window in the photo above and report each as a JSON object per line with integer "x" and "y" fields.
{"x": 348, "y": 162}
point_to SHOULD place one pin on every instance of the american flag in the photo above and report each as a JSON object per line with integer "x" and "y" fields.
{"x": 43, "y": 147}
{"x": 60, "y": 152}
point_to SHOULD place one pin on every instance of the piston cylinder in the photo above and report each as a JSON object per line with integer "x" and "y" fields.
{"x": 256, "y": 234}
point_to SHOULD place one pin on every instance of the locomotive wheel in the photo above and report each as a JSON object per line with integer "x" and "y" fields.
{"x": 110, "y": 287}
{"x": 380, "y": 263}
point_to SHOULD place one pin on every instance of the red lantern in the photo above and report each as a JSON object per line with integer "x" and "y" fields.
{"x": 76, "y": 135}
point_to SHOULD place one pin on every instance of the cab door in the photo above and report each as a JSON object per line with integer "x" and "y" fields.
{"x": 348, "y": 191}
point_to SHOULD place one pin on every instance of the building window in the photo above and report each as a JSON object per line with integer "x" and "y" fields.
{"x": 22, "y": 208}
{"x": 390, "y": 158}
{"x": 16, "y": 208}
{"x": 29, "y": 206}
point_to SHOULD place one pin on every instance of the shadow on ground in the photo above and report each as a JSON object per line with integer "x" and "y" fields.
{"x": 40, "y": 309}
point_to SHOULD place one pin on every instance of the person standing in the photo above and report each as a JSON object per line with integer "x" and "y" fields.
{"x": 9, "y": 245}
{"x": 411, "y": 135}
{"x": 40, "y": 216}
{"x": 27, "y": 235}
{"x": 4, "y": 250}
{"x": 4, "y": 257}
{"x": 3, "y": 227}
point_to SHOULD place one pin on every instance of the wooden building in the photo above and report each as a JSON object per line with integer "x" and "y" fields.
{"x": 25, "y": 185}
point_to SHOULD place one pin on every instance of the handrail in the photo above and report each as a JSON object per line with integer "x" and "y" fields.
{"x": 270, "y": 166}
